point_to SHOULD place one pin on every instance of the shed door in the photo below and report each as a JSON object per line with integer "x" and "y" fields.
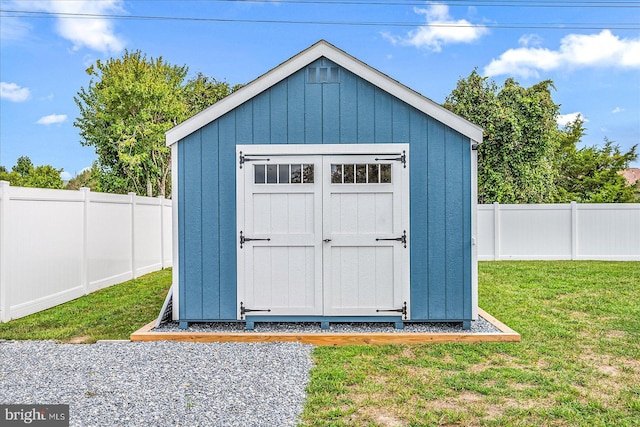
{"x": 365, "y": 239}
{"x": 323, "y": 235}
{"x": 281, "y": 239}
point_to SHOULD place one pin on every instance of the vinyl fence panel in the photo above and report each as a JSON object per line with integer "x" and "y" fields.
{"x": 559, "y": 232}
{"x": 57, "y": 245}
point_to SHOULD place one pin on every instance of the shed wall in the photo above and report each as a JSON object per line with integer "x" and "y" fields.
{"x": 350, "y": 112}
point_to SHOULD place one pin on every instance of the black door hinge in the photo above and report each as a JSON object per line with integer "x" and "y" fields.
{"x": 244, "y": 159}
{"x": 402, "y": 158}
{"x": 244, "y": 239}
{"x": 402, "y": 310}
{"x": 244, "y": 310}
{"x": 402, "y": 238}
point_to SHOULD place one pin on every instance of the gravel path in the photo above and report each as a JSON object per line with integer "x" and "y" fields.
{"x": 477, "y": 326}
{"x": 160, "y": 383}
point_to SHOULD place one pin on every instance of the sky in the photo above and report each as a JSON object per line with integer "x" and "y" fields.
{"x": 590, "y": 49}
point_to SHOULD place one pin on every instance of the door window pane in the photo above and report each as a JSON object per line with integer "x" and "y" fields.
{"x": 336, "y": 174}
{"x": 373, "y": 172}
{"x": 272, "y": 174}
{"x": 283, "y": 174}
{"x": 385, "y": 173}
{"x": 296, "y": 174}
{"x": 259, "y": 174}
{"x": 361, "y": 174}
{"x": 349, "y": 176}
{"x": 308, "y": 174}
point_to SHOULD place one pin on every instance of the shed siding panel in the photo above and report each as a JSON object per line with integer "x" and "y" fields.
{"x": 437, "y": 281}
{"x": 228, "y": 234}
{"x": 182, "y": 246}
{"x": 401, "y": 124}
{"x": 348, "y": 108}
{"x": 313, "y": 114}
{"x": 244, "y": 120}
{"x": 261, "y": 116}
{"x": 418, "y": 161}
{"x": 330, "y": 114}
{"x": 210, "y": 226}
{"x": 366, "y": 112}
{"x": 279, "y": 113}
{"x": 353, "y": 111}
{"x": 192, "y": 214}
{"x": 295, "y": 107}
{"x": 383, "y": 116}
{"x": 453, "y": 225}
{"x": 467, "y": 213}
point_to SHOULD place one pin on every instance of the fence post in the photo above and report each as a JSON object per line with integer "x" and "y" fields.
{"x": 134, "y": 274}
{"x": 574, "y": 231}
{"x": 4, "y": 209}
{"x": 84, "y": 267}
{"x": 496, "y": 231}
{"x": 161, "y": 232}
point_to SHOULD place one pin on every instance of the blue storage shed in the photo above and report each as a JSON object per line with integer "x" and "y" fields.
{"x": 324, "y": 191}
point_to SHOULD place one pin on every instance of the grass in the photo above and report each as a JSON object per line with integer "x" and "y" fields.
{"x": 110, "y": 313}
{"x": 578, "y": 363}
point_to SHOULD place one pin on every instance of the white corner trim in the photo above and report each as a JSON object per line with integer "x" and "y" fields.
{"x": 304, "y": 58}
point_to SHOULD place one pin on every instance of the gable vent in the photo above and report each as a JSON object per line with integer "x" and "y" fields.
{"x": 323, "y": 74}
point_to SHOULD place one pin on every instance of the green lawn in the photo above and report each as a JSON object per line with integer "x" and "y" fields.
{"x": 578, "y": 363}
{"x": 110, "y": 313}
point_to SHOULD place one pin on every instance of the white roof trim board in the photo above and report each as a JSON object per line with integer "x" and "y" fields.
{"x": 301, "y": 60}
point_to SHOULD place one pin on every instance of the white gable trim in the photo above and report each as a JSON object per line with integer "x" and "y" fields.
{"x": 304, "y": 58}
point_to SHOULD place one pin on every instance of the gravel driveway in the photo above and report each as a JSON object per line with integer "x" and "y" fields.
{"x": 160, "y": 383}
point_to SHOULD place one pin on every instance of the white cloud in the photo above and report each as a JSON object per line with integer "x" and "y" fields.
{"x": 617, "y": 110}
{"x": 440, "y": 29}
{"x": 65, "y": 176}
{"x": 565, "y": 119}
{"x": 576, "y": 50}
{"x": 530, "y": 40}
{"x": 14, "y": 29}
{"x": 94, "y": 33}
{"x": 52, "y": 119}
{"x": 13, "y": 92}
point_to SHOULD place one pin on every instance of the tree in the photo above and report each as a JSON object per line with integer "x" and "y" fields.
{"x": 124, "y": 113}
{"x": 516, "y": 157}
{"x": 24, "y": 174}
{"x": 591, "y": 174}
{"x": 87, "y": 178}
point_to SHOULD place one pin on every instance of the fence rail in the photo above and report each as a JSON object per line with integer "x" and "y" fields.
{"x": 57, "y": 245}
{"x": 559, "y": 232}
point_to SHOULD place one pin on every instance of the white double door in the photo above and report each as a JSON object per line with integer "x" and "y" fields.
{"x": 323, "y": 235}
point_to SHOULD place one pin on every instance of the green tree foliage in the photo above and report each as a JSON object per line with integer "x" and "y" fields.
{"x": 24, "y": 174}
{"x": 591, "y": 174}
{"x": 525, "y": 157}
{"x": 515, "y": 159}
{"x": 124, "y": 113}
{"x": 89, "y": 178}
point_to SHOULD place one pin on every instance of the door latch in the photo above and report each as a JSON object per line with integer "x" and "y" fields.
{"x": 244, "y": 239}
{"x": 402, "y": 238}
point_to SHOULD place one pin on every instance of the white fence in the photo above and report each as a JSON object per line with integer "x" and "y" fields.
{"x": 559, "y": 232}
{"x": 57, "y": 245}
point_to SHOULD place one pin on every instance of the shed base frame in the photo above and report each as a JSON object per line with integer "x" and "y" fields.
{"x": 325, "y": 320}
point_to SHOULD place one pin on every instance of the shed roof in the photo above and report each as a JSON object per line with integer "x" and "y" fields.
{"x": 318, "y": 50}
